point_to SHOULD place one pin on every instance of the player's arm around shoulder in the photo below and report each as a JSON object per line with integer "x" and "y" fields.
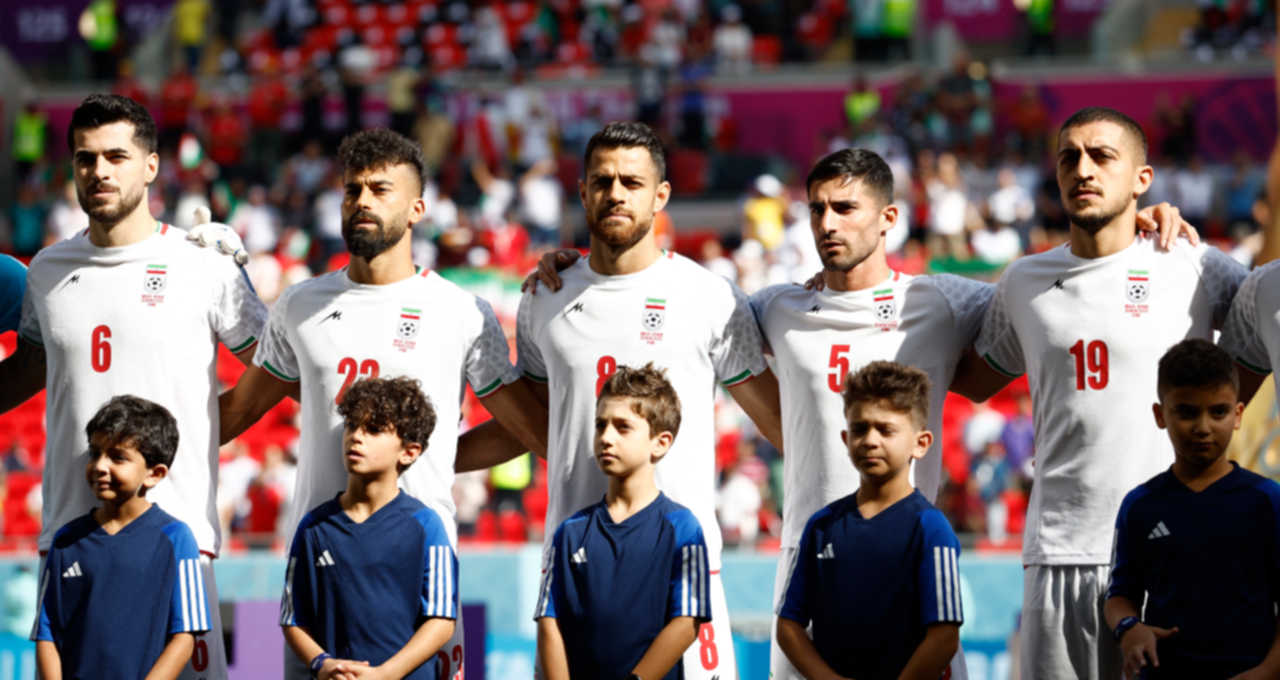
{"x": 995, "y": 358}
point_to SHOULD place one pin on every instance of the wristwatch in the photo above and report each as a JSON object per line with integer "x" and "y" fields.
{"x": 317, "y": 662}
{"x": 1123, "y": 627}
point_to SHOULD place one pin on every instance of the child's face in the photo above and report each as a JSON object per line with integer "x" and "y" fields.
{"x": 882, "y": 441}
{"x": 1200, "y": 421}
{"x": 116, "y": 471}
{"x": 623, "y": 442}
{"x": 366, "y": 452}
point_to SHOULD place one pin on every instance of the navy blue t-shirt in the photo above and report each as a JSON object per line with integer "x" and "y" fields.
{"x": 613, "y": 586}
{"x": 1206, "y": 562}
{"x": 361, "y": 590}
{"x": 110, "y": 602}
{"x": 870, "y": 587}
{"x": 13, "y": 283}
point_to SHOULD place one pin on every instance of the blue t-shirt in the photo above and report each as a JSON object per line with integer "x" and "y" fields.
{"x": 110, "y": 602}
{"x": 13, "y": 282}
{"x": 361, "y": 590}
{"x": 1206, "y": 562}
{"x": 613, "y": 586}
{"x": 870, "y": 587}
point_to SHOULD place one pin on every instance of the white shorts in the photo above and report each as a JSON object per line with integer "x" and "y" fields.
{"x": 780, "y": 667}
{"x": 1064, "y": 634}
{"x": 711, "y": 656}
{"x": 450, "y": 655}
{"x": 209, "y": 657}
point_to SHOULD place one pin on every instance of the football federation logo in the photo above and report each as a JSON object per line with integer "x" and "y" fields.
{"x": 154, "y": 281}
{"x": 885, "y": 310}
{"x": 1137, "y": 288}
{"x": 407, "y": 328}
{"x": 653, "y": 319}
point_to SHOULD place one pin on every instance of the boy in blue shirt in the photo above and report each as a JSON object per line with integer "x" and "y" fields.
{"x": 1200, "y": 542}
{"x": 624, "y": 585}
{"x": 370, "y": 590}
{"x": 875, "y": 572}
{"x": 120, "y": 593}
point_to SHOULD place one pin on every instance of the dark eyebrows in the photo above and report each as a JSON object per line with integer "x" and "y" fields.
{"x": 85, "y": 153}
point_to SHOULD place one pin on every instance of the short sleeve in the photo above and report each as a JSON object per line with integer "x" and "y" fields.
{"x": 294, "y": 607}
{"x": 689, "y": 592}
{"x": 938, "y": 575}
{"x": 528, "y": 355}
{"x": 1221, "y": 276}
{"x": 1240, "y": 333}
{"x": 43, "y": 629}
{"x": 439, "y": 595}
{"x": 759, "y": 303}
{"x": 275, "y": 353}
{"x": 13, "y": 282}
{"x": 1125, "y": 578}
{"x": 29, "y": 319}
{"x": 237, "y": 315}
{"x": 795, "y": 603}
{"x": 552, "y": 578}
{"x": 737, "y": 348}
{"x": 998, "y": 342}
{"x": 488, "y": 361}
{"x": 188, "y": 604}
{"x": 968, "y": 300}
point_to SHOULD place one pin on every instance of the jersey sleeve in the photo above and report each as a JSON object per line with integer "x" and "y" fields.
{"x": 998, "y": 342}
{"x": 42, "y": 629}
{"x": 528, "y": 356}
{"x": 439, "y": 596}
{"x": 938, "y": 576}
{"x": 795, "y": 604}
{"x": 295, "y": 609}
{"x": 968, "y": 300}
{"x": 552, "y": 578}
{"x": 759, "y": 303}
{"x": 1240, "y": 337}
{"x": 1126, "y": 576}
{"x": 188, "y": 604}
{"x": 737, "y": 348}
{"x": 689, "y": 592}
{"x": 488, "y": 361}
{"x": 29, "y": 319}
{"x": 236, "y": 314}
{"x": 1221, "y": 277}
{"x": 275, "y": 353}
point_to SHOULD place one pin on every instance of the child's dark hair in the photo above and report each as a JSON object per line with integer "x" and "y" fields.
{"x": 382, "y": 404}
{"x": 97, "y": 110}
{"x": 903, "y": 388}
{"x": 653, "y": 397}
{"x": 127, "y": 420}
{"x": 1196, "y": 363}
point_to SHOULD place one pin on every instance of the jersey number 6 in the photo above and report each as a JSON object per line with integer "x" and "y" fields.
{"x": 100, "y": 349}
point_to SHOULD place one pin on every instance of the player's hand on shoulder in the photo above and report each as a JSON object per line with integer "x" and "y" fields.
{"x": 1139, "y": 647}
{"x": 548, "y": 272}
{"x": 221, "y": 237}
{"x": 1166, "y": 221}
{"x": 816, "y": 282}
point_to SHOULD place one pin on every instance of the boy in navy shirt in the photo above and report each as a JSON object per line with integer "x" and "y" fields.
{"x": 370, "y": 590}
{"x": 120, "y": 593}
{"x": 624, "y": 584}
{"x": 1200, "y": 542}
{"x": 875, "y": 572}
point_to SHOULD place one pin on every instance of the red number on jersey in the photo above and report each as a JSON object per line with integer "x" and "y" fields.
{"x": 100, "y": 349}
{"x": 349, "y": 367}
{"x": 200, "y": 655}
{"x": 839, "y": 365}
{"x": 707, "y": 651}
{"x": 1093, "y": 365}
{"x": 605, "y": 367}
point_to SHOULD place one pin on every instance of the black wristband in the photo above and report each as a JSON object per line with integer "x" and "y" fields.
{"x": 1123, "y": 627}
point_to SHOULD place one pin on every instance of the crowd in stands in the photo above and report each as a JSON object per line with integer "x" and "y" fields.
{"x": 1235, "y": 28}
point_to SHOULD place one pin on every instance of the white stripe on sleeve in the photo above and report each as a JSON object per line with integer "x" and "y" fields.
{"x": 544, "y": 594}
{"x": 937, "y": 579}
{"x": 955, "y": 569}
{"x": 201, "y": 593}
{"x": 286, "y": 607}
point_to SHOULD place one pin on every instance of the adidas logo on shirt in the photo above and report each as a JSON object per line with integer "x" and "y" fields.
{"x": 827, "y": 553}
{"x": 1159, "y": 532}
{"x": 580, "y": 557}
{"x": 325, "y": 560}
{"x": 73, "y": 571}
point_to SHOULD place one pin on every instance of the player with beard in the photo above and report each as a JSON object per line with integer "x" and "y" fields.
{"x": 630, "y": 303}
{"x": 1085, "y": 322}
{"x": 381, "y": 316}
{"x": 129, "y": 306}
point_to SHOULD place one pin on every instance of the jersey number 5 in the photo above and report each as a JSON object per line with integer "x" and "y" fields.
{"x": 839, "y": 365}
{"x": 348, "y": 366}
{"x": 1093, "y": 366}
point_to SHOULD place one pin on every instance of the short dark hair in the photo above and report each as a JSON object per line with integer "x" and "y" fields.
{"x": 651, "y": 394}
{"x": 382, "y": 404}
{"x": 903, "y": 388}
{"x": 1197, "y": 363}
{"x": 628, "y": 134}
{"x": 127, "y": 420}
{"x": 381, "y": 148}
{"x": 855, "y": 164}
{"x": 97, "y": 110}
{"x": 1097, "y": 114}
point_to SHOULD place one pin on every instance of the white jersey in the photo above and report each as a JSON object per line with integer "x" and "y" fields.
{"x": 143, "y": 319}
{"x": 1089, "y": 334}
{"x": 330, "y": 331}
{"x": 1252, "y": 331}
{"x": 818, "y": 337}
{"x": 683, "y": 318}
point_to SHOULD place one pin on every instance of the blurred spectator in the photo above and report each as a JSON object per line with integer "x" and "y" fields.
{"x": 1011, "y": 210}
{"x": 490, "y": 49}
{"x": 861, "y": 106}
{"x": 269, "y": 495}
{"x": 713, "y": 258}
{"x": 100, "y": 27}
{"x": 191, "y": 30}
{"x": 739, "y": 500}
{"x": 1018, "y": 436}
{"x": 435, "y": 132}
{"x": 66, "y": 217}
{"x": 1040, "y": 40}
{"x": 31, "y": 137}
{"x": 326, "y": 217}
{"x": 1194, "y": 191}
{"x": 402, "y": 86}
{"x": 177, "y": 96}
{"x": 762, "y": 213}
{"x": 128, "y": 85}
{"x": 509, "y": 480}
{"x": 26, "y": 220}
{"x": 497, "y": 193}
{"x": 310, "y": 168}
{"x": 1241, "y": 191}
{"x": 693, "y": 105}
{"x": 256, "y": 221}
{"x": 732, "y": 41}
{"x": 226, "y": 136}
{"x": 469, "y": 497}
{"x": 1029, "y": 120}
{"x": 991, "y": 474}
{"x": 287, "y": 20}
{"x": 899, "y": 20}
{"x": 314, "y": 89}
{"x": 948, "y": 210}
{"x": 356, "y": 63}
{"x": 267, "y": 103}
{"x": 235, "y": 474}
{"x": 537, "y": 134}
{"x": 195, "y": 195}
{"x": 540, "y": 203}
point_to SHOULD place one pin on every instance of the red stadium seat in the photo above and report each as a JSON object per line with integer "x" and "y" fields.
{"x": 512, "y": 527}
{"x": 766, "y": 50}
{"x": 486, "y": 527}
{"x": 689, "y": 170}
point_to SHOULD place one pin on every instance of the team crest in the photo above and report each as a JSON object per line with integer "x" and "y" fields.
{"x": 886, "y": 310}
{"x": 653, "y": 319}
{"x": 407, "y": 328}
{"x": 154, "y": 283}
{"x": 1137, "y": 289}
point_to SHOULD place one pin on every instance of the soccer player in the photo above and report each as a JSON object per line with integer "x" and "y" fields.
{"x": 1083, "y": 321}
{"x": 624, "y": 584}
{"x": 371, "y": 585}
{"x": 130, "y": 307}
{"x": 1199, "y": 543}
{"x": 630, "y": 303}
{"x": 120, "y": 594}
{"x": 876, "y": 577}
{"x": 13, "y": 281}
{"x": 379, "y": 316}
